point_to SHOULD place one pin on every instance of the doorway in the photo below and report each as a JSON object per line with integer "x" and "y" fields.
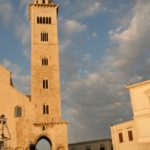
{"x": 43, "y": 143}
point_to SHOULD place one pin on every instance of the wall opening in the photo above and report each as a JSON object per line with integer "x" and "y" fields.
{"x": 43, "y": 143}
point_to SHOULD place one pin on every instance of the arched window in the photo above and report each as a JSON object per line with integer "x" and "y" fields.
{"x": 44, "y": 21}
{"x": 44, "y": 36}
{"x": 44, "y": 61}
{"x": 43, "y": 1}
{"x": 49, "y": 20}
{"x": 18, "y": 111}
{"x": 38, "y": 20}
{"x": 45, "y": 84}
{"x": 45, "y": 109}
{"x": 41, "y": 20}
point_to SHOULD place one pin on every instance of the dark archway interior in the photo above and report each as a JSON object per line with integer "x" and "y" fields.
{"x": 43, "y": 143}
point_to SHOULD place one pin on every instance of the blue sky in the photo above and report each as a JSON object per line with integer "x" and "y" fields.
{"x": 104, "y": 46}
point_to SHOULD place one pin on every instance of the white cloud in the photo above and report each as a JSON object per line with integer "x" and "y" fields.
{"x": 91, "y": 9}
{"x": 94, "y": 34}
{"x": 87, "y": 8}
{"x": 72, "y": 27}
{"x": 64, "y": 44}
{"x": 6, "y": 11}
{"x": 125, "y": 34}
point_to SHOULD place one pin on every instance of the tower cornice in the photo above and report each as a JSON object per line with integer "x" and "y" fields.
{"x": 44, "y": 5}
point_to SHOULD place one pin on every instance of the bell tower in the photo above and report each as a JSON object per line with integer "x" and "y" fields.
{"x": 34, "y": 118}
{"x": 45, "y": 82}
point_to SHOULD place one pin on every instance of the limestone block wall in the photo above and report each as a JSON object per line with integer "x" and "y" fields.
{"x": 56, "y": 133}
{"x": 9, "y": 99}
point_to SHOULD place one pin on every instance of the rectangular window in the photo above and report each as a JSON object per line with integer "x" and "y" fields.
{"x": 120, "y": 137}
{"x": 130, "y": 135}
{"x": 88, "y": 147}
{"x": 102, "y": 147}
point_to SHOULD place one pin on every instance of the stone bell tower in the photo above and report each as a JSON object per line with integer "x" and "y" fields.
{"x": 45, "y": 81}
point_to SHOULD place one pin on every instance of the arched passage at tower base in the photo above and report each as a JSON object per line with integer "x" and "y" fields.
{"x": 43, "y": 143}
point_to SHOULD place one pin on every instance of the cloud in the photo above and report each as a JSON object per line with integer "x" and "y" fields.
{"x": 98, "y": 98}
{"x": 72, "y": 27}
{"x": 94, "y": 34}
{"x": 17, "y": 20}
{"x": 23, "y": 28}
{"x": 64, "y": 44}
{"x": 6, "y": 15}
{"x": 69, "y": 30}
{"x": 21, "y": 80}
{"x": 93, "y": 93}
{"x": 88, "y": 8}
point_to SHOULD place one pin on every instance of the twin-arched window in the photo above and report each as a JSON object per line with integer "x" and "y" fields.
{"x": 45, "y": 84}
{"x": 18, "y": 111}
{"x": 45, "y": 109}
{"x": 44, "y": 20}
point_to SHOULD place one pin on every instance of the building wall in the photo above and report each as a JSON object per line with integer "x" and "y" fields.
{"x": 34, "y": 124}
{"x": 140, "y": 125}
{"x": 9, "y": 99}
{"x": 92, "y": 145}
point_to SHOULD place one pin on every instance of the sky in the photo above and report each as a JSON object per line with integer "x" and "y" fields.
{"x": 104, "y": 46}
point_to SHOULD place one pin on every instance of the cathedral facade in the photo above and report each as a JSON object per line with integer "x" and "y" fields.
{"x": 38, "y": 116}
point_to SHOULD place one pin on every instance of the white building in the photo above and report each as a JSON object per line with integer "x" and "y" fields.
{"x": 135, "y": 134}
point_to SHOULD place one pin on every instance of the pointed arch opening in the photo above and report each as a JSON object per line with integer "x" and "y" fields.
{"x": 43, "y": 143}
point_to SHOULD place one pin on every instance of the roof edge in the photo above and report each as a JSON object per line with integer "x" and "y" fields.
{"x": 98, "y": 140}
{"x": 138, "y": 84}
